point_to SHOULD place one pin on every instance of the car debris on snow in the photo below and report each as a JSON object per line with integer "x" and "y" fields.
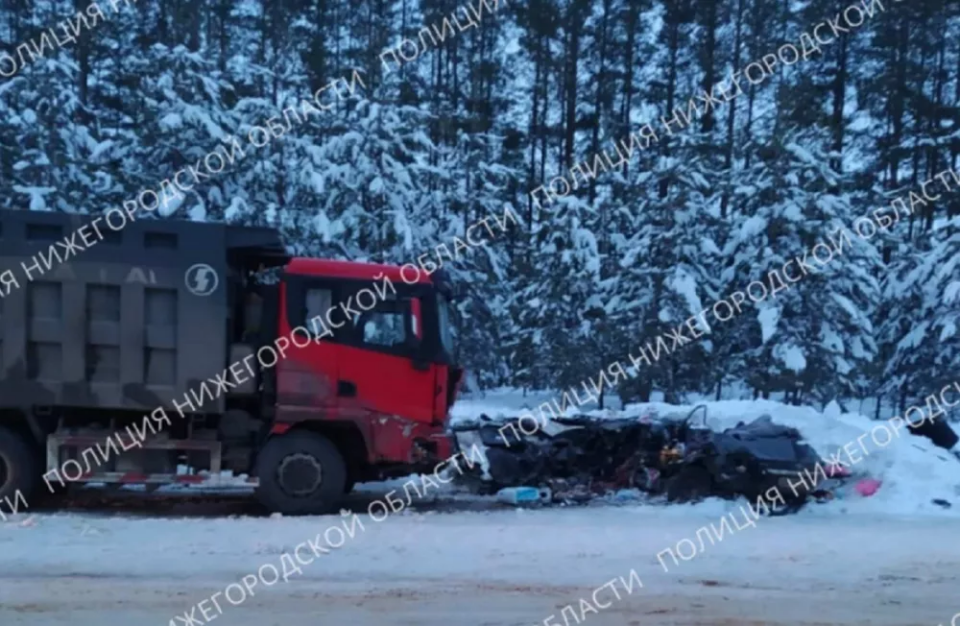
{"x": 676, "y": 457}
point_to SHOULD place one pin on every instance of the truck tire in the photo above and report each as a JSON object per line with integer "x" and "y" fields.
{"x": 19, "y": 468}
{"x": 301, "y": 473}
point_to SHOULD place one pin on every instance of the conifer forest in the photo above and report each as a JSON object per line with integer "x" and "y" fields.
{"x": 640, "y": 169}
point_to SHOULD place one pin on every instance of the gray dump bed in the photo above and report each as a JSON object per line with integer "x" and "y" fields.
{"x": 114, "y": 325}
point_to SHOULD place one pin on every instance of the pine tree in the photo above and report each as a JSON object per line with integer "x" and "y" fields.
{"x": 812, "y": 338}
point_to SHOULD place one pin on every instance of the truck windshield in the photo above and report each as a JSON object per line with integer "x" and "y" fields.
{"x": 448, "y": 336}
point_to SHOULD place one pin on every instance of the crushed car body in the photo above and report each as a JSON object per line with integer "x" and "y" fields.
{"x": 675, "y": 456}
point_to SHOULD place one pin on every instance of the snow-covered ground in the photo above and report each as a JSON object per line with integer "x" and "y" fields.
{"x": 893, "y": 559}
{"x": 499, "y": 568}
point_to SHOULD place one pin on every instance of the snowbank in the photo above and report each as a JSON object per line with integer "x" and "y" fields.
{"x": 913, "y": 471}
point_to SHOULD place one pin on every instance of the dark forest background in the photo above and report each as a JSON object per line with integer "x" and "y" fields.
{"x": 472, "y": 126}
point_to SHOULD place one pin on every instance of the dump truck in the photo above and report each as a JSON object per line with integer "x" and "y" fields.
{"x": 169, "y": 351}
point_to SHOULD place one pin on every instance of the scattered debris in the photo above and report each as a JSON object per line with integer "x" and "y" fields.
{"x": 868, "y": 486}
{"x": 675, "y": 456}
{"x": 524, "y": 495}
{"x": 938, "y": 431}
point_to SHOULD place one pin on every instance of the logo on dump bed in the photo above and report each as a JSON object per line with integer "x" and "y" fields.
{"x": 201, "y": 279}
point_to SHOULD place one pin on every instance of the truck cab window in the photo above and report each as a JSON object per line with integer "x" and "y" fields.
{"x": 385, "y": 329}
{"x": 316, "y": 304}
{"x": 448, "y": 332}
{"x": 384, "y": 326}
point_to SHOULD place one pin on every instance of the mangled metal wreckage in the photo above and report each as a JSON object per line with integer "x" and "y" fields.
{"x": 676, "y": 457}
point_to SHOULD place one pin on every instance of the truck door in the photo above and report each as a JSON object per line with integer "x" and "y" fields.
{"x": 307, "y": 377}
{"x": 380, "y": 364}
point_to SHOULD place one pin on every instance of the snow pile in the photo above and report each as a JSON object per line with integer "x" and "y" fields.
{"x": 913, "y": 471}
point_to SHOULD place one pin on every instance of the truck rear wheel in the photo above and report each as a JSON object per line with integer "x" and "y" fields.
{"x": 301, "y": 473}
{"x": 19, "y": 467}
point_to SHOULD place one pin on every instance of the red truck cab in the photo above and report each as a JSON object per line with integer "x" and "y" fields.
{"x": 367, "y": 383}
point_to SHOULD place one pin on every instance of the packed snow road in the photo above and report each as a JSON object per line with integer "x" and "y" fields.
{"x": 493, "y": 567}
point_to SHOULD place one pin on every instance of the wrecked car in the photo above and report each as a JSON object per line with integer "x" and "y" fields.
{"x": 749, "y": 460}
{"x": 583, "y": 457}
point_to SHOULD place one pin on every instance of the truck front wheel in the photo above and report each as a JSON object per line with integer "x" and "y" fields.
{"x": 301, "y": 473}
{"x": 18, "y": 468}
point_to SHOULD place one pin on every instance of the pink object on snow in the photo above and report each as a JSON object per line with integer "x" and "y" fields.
{"x": 868, "y": 486}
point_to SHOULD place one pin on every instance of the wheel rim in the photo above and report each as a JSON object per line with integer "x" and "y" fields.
{"x": 300, "y": 474}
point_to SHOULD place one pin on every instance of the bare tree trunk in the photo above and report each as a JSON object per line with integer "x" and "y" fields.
{"x": 709, "y": 62}
{"x": 732, "y": 111}
{"x": 839, "y": 99}
{"x": 570, "y": 82}
{"x": 674, "y": 45}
